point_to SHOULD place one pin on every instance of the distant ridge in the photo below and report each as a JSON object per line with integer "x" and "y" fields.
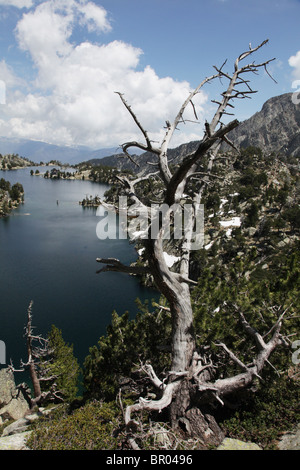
{"x": 38, "y": 151}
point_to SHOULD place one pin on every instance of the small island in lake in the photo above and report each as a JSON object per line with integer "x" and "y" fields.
{"x": 91, "y": 201}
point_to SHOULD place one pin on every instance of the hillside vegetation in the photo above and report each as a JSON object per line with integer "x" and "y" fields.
{"x": 13, "y": 162}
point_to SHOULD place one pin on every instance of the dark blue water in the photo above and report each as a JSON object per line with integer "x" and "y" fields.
{"x": 47, "y": 254}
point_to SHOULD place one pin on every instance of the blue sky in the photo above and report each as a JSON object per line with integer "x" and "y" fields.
{"x": 62, "y": 60}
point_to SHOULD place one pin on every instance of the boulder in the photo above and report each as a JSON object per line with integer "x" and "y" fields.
{"x": 21, "y": 425}
{"x": 16, "y": 409}
{"x": 251, "y": 231}
{"x": 15, "y": 441}
{"x": 236, "y": 444}
{"x": 291, "y": 440}
{"x": 16, "y": 427}
{"x": 13, "y": 404}
{"x": 7, "y": 386}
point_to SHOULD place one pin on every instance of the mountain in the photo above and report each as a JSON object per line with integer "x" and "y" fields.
{"x": 275, "y": 128}
{"x": 38, "y": 151}
{"x": 121, "y": 162}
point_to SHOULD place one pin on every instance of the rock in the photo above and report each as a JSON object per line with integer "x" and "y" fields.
{"x": 161, "y": 436}
{"x": 16, "y": 409}
{"x": 16, "y": 427}
{"x": 13, "y": 404}
{"x": 21, "y": 425}
{"x": 275, "y": 128}
{"x": 207, "y": 239}
{"x": 284, "y": 242}
{"x": 251, "y": 231}
{"x": 15, "y": 435}
{"x": 290, "y": 441}
{"x": 15, "y": 441}
{"x": 236, "y": 444}
{"x": 7, "y": 386}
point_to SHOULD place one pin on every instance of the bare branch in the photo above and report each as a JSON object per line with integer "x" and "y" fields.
{"x": 252, "y": 332}
{"x": 113, "y": 264}
{"x": 204, "y": 173}
{"x": 189, "y": 161}
{"x": 251, "y": 51}
{"x": 125, "y": 147}
{"x": 194, "y": 109}
{"x": 150, "y": 405}
{"x": 268, "y": 73}
{"x": 144, "y": 132}
{"x": 225, "y": 139}
{"x": 143, "y": 178}
{"x": 178, "y": 118}
{"x": 148, "y": 369}
{"x": 232, "y": 356}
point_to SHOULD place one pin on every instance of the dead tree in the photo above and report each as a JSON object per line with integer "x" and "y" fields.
{"x": 37, "y": 357}
{"x": 190, "y": 378}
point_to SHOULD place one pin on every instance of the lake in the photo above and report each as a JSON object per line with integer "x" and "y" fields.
{"x": 48, "y": 254}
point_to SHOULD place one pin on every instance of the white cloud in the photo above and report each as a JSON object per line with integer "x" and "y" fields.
{"x": 45, "y": 33}
{"x": 8, "y": 76}
{"x": 17, "y": 3}
{"x": 95, "y": 17}
{"x": 74, "y": 100}
{"x": 294, "y": 61}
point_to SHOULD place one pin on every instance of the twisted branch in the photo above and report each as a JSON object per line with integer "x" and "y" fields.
{"x": 113, "y": 264}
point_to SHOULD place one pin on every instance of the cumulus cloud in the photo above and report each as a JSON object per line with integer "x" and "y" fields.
{"x": 294, "y": 61}
{"x": 73, "y": 100}
{"x": 8, "y": 76}
{"x": 17, "y": 3}
{"x": 95, "y": 17}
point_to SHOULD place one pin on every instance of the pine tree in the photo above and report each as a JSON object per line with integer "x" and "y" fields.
{"x": 61, "y": 365}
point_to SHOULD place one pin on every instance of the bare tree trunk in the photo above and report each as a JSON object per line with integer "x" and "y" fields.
{"x": 183, "y": 339}
{"x": 34, "y": 355}
{"x": 183, "y": 346}
{"x": 190, "y": 374}
{"x": 35, "y": 381}
{"x": 31, "y": 363}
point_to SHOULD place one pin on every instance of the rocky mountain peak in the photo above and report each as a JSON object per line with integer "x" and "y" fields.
{"x": 276, "y": 128}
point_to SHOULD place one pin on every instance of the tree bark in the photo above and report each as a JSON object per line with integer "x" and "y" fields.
{"x": 183, "y": 338}
{"x": 178, "y": 295}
